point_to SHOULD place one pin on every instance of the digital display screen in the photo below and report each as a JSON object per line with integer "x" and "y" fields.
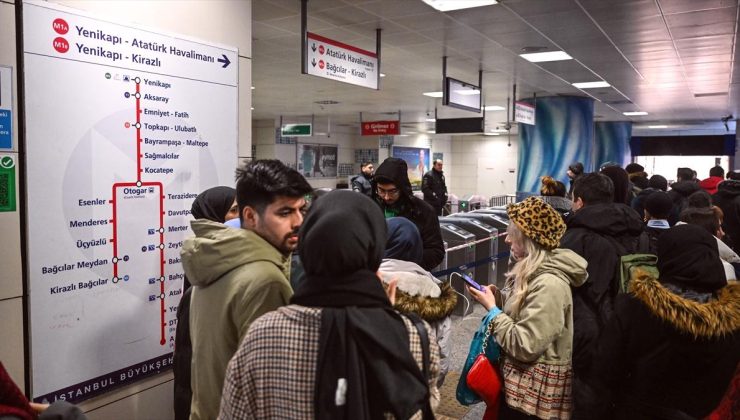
{"x": 461, "y": 95}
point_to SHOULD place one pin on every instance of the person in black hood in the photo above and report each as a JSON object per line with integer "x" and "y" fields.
{"x": 600, "y": 231}
{"x": 673, "y": 344}
{"x": 575, "y": 170}
{"x": 392, "y": 191}
{"x": 680, "y": 192}
{"x": 727, "y": 198}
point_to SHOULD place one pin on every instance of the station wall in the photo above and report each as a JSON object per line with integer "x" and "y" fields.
{"x": 219, "y": 21}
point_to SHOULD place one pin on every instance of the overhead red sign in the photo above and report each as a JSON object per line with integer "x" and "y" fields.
{"x": 381, "y": 128}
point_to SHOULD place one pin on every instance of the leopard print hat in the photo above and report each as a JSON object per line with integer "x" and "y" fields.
{"x": 538, "y": 221}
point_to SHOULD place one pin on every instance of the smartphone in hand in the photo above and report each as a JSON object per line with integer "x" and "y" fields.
{"x": 471, "y": 282}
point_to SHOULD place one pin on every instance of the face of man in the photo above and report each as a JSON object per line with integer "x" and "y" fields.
{"x": 571, "y": 175}
{"x": 438, "y": 166}
{"x": 388, "y": 192}
{"x": 368, "y": 170}
{"x": 279, "y": 222}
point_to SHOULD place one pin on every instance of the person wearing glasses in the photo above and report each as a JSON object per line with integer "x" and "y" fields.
{"x": 392, "y": 191}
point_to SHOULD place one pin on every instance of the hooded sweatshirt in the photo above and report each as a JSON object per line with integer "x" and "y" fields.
{"x": 238, "y": 276}
{"x": 710, "y": 184}
{"x": 425, "y": 218}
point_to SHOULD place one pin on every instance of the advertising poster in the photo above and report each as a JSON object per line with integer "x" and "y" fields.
{"x": 317, "y": 160}
{"x": 125, "y": 127}
{"x": 418, "y": 161}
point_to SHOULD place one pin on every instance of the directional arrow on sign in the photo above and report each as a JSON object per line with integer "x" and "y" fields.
{"x": 313, "y": 62}
{"x": 313, "y": 47}
{"x": 224, "y": 60}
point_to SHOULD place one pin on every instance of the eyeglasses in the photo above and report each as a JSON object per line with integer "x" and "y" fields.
{"x": 388, "y": 193}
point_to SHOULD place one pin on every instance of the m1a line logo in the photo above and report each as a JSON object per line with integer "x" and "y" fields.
{"x": 335, "y": 60}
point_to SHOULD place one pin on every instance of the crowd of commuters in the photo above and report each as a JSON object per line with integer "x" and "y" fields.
{"x": 364, "y": 329}
{"x": 305, "y": 306}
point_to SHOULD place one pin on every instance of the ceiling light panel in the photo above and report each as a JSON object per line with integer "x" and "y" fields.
{"x": 447, "y": 5}
{"x": 494, "y": 108}
{"x": 634, "y": 113}
{"x": 546, "y": 56}
{"x": 592, "y": 85}
{"x": 433, "y": 94}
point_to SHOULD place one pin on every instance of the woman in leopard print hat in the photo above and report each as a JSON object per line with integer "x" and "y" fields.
{"x": 535, "y": 328}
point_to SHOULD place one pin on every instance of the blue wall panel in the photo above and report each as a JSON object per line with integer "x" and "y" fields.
{"x": 563, "y": 134}
{"x": 612, "y": 142}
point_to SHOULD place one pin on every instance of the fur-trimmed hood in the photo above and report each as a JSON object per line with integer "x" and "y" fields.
{"x": 417, "y": 291}
{"x": 716, "y": 318}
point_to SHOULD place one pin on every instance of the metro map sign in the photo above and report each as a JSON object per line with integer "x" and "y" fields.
{"x": 341, "y": 62}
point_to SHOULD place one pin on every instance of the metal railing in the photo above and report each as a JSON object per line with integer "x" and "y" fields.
{"x": 502, "y": 200}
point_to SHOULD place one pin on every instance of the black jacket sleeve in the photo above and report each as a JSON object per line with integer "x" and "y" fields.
{"x": 427, "y": 187}
{"x": 431, "y": 236}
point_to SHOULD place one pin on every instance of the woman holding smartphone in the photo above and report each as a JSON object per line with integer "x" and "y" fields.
{"x": 535, "y": 328}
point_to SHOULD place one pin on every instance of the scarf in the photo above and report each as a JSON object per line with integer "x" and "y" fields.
{"x": 213, "y": 204}
{"x": 365, "y": 365}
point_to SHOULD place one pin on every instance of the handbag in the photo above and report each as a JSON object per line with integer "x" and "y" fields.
{"x": 490, "y": 351}
{"x": 485, "y": 380}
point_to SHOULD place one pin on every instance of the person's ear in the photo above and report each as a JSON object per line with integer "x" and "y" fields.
{"x": 250, "y": 217}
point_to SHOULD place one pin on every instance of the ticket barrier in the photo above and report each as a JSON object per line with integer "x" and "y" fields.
{"x": 443, "y": 265}
{"x": 486, "y": 246}
{"x": 493, "y": 219}
{"x": 462, "y": 253}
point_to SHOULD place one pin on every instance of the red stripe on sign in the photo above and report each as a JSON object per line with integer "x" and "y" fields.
{"x": 339, "y": 44}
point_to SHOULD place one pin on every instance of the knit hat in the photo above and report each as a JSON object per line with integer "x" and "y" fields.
{"x": 538, "y": 221}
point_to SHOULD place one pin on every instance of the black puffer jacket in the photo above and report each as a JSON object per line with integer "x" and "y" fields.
{"x": 656, "y": 352}
{"x": 422, "y": 214}
{"x": 182, "y": 358}
{"x": 600, "y": 233}
{"x": 680, "y": 192}
{"x": 727, "y": 198}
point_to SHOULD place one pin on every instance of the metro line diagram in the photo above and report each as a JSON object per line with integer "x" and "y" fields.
{"x": 139, "y": 188}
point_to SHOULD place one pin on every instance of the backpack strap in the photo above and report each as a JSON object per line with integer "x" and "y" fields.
{"x": 427, "y": 413}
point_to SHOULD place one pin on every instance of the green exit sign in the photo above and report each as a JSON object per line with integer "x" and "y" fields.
{"x": 296, "y": 130}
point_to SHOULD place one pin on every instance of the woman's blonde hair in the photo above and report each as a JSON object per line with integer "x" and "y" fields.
{"x": 517, "y": 279}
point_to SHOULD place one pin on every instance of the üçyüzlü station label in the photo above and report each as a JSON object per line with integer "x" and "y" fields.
{"x": 341, "y": 62}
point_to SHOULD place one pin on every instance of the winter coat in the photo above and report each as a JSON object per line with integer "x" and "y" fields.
{"x": 537, "y": 342}
{"x": 600, "y": 233}
{"x": 237, "y": 276}
{"x": 418, "y": 292}
{"x": 434, "y": 188}
{"x": 728, "y": 199}
{"x": 260, "y": 385}
{"x": 665, "y": 350}
{"x": 680, "y": 192}
{"x": 361, "y": 183}
{"x": 413, "y": 208}
{"x": 710, "y": 184}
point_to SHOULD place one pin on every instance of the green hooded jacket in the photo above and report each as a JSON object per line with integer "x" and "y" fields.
{"x": 237, "y": 277}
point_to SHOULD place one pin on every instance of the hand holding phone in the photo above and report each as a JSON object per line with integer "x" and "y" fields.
{"x": 471, "y": 282}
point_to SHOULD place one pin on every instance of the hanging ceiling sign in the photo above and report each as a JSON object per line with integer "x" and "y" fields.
{"x": 524, "y": 113}
{"x": 341, "y": 62}
{"x": 296, "y": 130}
{"x": 381, "y": 128}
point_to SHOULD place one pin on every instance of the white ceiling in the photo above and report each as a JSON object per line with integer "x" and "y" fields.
{"x": 676, "y": 59}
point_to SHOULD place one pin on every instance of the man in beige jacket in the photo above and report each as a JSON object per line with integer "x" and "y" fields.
{"x": 240, "y": 274}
